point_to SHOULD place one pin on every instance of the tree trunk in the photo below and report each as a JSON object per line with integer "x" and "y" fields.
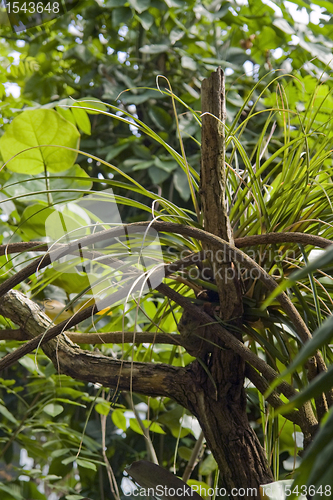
{"x": 223, "y": 419}
{"x": 221, "y": 410}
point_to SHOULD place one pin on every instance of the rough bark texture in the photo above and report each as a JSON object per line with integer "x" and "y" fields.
{"x": 213, "y": 188}
{"x": 221, "y": 410}
{"x": 236, "y": 448}
{"x": 68, "y": 358}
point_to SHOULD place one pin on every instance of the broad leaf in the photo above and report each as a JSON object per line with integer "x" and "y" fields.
{"x": 36, "y": 129}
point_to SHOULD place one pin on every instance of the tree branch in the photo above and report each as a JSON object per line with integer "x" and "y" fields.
{"x": 271, "y": 238}
{"x": 93, "y": 367}
{"x": 104, "y": 337}
{"x": 146, "y": 378}
{"x": 308, "y": 420}
{"x": 215, "y": 241}
{"x": 52, "y": 332}
{"x": 245, "y": 241}
{"x": 213, "y": 193}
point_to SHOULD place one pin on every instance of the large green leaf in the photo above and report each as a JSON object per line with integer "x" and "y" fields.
{"x": 33, "y": 220}
{"x": 35, "y": 129}
{"x": 30, "y": 189}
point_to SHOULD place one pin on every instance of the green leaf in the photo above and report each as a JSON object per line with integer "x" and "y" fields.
{"x": 157, "y": 175}
{"x": 103, "y": 408}
{"x": 94, "y": 104}
{"x": 283, "y": 25}
{"x": 184, "y": 452}
{"x": 73, "y": 178}
{"x": 115, "y": 3}
{"x": 146, "y": 20}
{"x": 155, "y": 427}
{"x": 67, "y": 114}
{"x": 70, "y": 402}
{"x": 80, "y": 52}
{"x": 188, "y": 63}
{"x": 35, "y": 129}
{"x": 81, "y": 119}
{"x": 53, "y": 409}
{"x": 59, "y": 453}
{"x": 140, "y": 5}
{"x": 60, "y": 223}
{"x": 6, "y": 413}
{"x": 154, "y": 48}
{"x": 152, "y": 426}
{"x": 86, "y": 464}
{"x": 119, "y": 419}
{"x": 321, "y": 383}
{"x": 176, "y": 34}
{"x": 121, "y": 16}
{"x": 140, "y": 98}
{"x": 181, "y": 184}
{"x": 70, "y": 282}
{"x": 171, "y": 420}
{"x": 321, "y": 446}
{"x": 175, "y": 3}
{"x": 321, "y": 337}
{"x": 320, "y": 262}
{"x": 69, "y": 460}
{"x": 13, "y": 492}
{"x": 166, "y": 165}
{"x": 160, "y": 117}
{"x": 75, "y": 497}
{"x": 29, "y": 363}
{"x": 199, "y": 486}
{"x": 33, "y": 220}
{"x": 208, "y": 466}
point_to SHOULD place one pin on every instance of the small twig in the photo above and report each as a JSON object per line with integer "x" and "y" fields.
{"x": 150, "y": 447}
{"x": 104, "y": 337}
{"x": 109, "y": 470}
{"x": 193, "y": 458}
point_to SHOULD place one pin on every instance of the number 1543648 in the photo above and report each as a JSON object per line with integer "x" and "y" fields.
{"x": 32, "y": 7}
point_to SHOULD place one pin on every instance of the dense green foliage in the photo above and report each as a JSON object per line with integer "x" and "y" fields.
{"x": 279, "y": 179}
{"x": 102, "y": 49}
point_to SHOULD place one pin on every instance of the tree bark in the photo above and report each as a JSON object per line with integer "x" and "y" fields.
{"x": 235, "y": 446}
{"x": 221, "y": 410}
{"x": 151, "y": 379}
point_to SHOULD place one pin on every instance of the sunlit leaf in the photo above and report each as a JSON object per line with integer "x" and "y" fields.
{"x": 34, "y": 129}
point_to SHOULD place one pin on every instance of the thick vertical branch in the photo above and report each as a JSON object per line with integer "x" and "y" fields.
{"x": 231, "y": 439}
{"x": 213, "y": 191}
{"x": 213, "y": 176}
